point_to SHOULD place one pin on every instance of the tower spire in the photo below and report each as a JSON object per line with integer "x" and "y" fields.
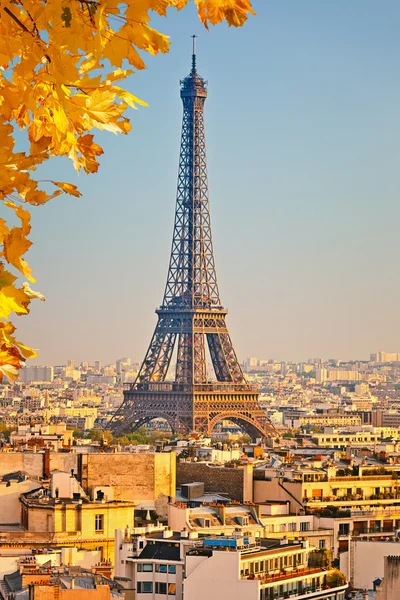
{"x": 194, "y": 55}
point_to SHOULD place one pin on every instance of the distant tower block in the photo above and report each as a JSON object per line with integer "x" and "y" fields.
{"x": 191, "y": 314}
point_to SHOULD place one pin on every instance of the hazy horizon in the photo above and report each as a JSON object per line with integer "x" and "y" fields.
{"x": 303, "y": 135}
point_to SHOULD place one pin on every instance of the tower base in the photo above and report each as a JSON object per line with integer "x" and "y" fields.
{"x": 188, "y": 408}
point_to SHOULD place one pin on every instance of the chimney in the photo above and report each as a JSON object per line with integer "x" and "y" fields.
{"x": 221, "y": 512}
{"x": 46, "y": 464}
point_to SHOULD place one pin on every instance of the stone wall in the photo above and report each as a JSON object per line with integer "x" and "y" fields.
{"x": 30, "y": 463}
{"x": 135, "y": 477}
{"x": 230, "y": 481}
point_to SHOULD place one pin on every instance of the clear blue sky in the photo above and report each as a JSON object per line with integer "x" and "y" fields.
{"x": 303, "y": 133}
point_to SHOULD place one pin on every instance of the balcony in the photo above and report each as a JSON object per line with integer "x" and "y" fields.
{"x": 385, "y": 531}
{"x": 285, "y": 574}
{"x": 298, "y": 533}
{"x": 305, "y": 594}
{"x": 363, "y": 478}
{"x": 356, "y": 500}
{"x": 383, "y": 511}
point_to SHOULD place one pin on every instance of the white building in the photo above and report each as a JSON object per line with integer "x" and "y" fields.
{"x": 237, "y": 567}
{"x": 241, "y": 568}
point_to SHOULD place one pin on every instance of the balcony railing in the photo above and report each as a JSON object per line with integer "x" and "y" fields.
{"x": 288, "y": 573}
{"x": 385, "y": 511}
{"x": 363, "y": 478}
{"x": 374, "y": 530}
{"x": 356, "y": 499}
{"x": 306, "y": 593}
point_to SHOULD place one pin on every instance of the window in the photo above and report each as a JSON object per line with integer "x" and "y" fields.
{"x": 321, "y": 544}
{"x": 99, "y": 523}
{"x": 145, "y": 567}
{"x": 344, "y": 528}
{"x": 161, "y": 568}
{"x": 291, "y": 526}
{"x": 144, "y": 587}
{"x": 161, "y": 587}
{"x": 172, "y": 589}
{"x": 171, "y": 569}
{"x": 304, "y": 526}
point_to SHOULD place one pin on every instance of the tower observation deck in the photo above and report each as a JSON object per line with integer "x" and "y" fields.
{"x": 191, "y": 316}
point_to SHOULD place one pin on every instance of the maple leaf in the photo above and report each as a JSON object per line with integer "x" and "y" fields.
{"x": 69, "y": 188}
{"x": 16, "y": 244}
{"x": 13, "y": 299}
{"x": 235, "y": 12}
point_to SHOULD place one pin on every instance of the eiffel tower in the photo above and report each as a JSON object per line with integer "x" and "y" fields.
{"x": 191, "y": 313}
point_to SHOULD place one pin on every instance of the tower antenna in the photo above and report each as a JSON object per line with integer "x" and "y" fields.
{"x": 194, "y": 54}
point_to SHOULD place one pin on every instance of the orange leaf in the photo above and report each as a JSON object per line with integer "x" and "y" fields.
{"x": 69, "y": 188}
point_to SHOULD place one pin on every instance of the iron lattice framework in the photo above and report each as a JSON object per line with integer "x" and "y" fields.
{"x": 191, "y": 313}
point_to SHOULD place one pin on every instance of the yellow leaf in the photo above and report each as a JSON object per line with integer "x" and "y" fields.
{"x": 88, "y": 151}
{"x": 119, "y": 74}
{"x": 3, "y": 230}
{"x": 13, "y": 299}
{"x": 6, "y": 278}
{"x": 235, "y": 12}
{"x": 69, "y": 188}
{"x": 15, "y": 245}
{"x": 129, "y": 98}
{"x": 24, "y": 216}
{"x": 9, "y": 371}
{"x": 26, "y": 351}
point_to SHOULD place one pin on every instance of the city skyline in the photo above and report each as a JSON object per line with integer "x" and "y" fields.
{"x": 305, "y": 261}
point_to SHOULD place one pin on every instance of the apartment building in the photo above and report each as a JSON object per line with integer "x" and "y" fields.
{"x": 183, "y": 565}
{"x": 269, "y": 519}
{"x": 151, "y": 560}
{"x": 240, "y": 567}
{"x": 356, "y": 437}
{"x": 64, "y": 514}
